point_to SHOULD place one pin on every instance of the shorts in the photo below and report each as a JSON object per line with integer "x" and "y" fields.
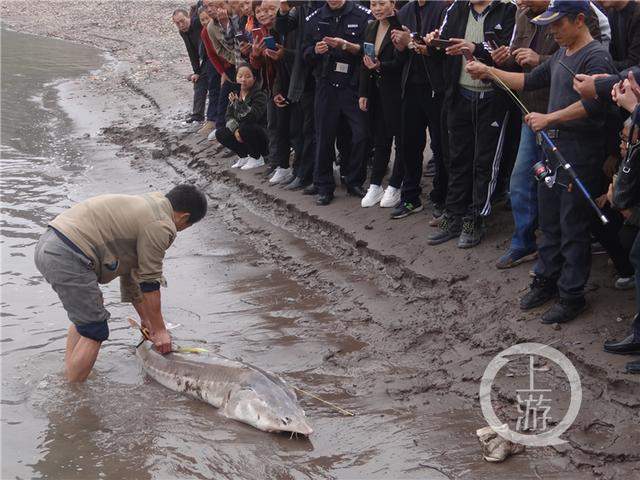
{"x": 72, "y": 277}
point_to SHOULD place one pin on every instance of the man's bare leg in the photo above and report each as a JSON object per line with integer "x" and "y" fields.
{"x": 79, "y": 360}
{"x": 72, "y": 339}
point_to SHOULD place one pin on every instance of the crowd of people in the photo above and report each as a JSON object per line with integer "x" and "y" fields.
{"x": 531, "y": 102}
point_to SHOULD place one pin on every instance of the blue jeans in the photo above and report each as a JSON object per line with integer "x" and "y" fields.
{"x": 634, "y": 256}
{"x": 213, "y": 86}
{"x": 524, "y": 193}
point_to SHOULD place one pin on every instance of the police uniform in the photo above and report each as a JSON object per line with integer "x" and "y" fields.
{"x": 336, "y": 73}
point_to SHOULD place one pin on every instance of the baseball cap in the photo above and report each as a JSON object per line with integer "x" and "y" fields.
{"x": 559, "y": 8}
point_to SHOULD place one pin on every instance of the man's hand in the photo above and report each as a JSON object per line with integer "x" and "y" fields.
{"x": 420, "y": 49}
{"x": 363, "y": 104}
{"x": 238, "y": 137}
{"x": 431, "y": 36}
{"x": 162, "y": 341}
{"x": 280, "y": 101}
{"x": 370, "y": 64}
{"x": 401, "y": 38}
{"x": 585, "y": 85}
{"x": 334, "y": 42}
{"x": 500, "y": 55}
{"x": 525, "y": 57}
{"x": 275, "y": 55}
{"x": 458, "y": 45}
{"x": 601, "y": 201}
{"x": 194, "y": 77}
{"x": 623, "y": 94}
{"x": 537, "y": 121}
{"x": 477, "y": 70}
{"x": 321, "y": 48}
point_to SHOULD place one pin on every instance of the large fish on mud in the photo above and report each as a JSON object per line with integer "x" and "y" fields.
{"x": 241, "y": 391}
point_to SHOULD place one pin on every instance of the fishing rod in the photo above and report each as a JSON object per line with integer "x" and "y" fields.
{"x": 541, "y": 170}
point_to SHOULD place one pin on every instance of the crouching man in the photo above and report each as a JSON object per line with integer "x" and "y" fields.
{"x": 103, "y": 238}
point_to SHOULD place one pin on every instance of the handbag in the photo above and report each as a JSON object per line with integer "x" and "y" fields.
{"x": 626, "y": 191}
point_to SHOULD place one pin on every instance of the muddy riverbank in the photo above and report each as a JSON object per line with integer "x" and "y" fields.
{"x": 343, "y": 300}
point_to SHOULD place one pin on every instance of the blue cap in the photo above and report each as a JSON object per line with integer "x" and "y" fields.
{"x": 559, "y": 8}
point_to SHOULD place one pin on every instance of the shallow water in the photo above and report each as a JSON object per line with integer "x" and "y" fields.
{"x": 120, "y": 423}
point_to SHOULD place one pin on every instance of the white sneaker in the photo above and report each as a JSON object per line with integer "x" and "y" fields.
{"x": 242, "y": 161}
{"x": 391, "y": 198}
{"x": 373, "y": 196}
{"x": 253, "y": 163}
{"x": 212, "y": 135}
{"x": 279, "y": 175}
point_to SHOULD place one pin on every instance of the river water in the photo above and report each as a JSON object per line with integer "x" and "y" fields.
{"x": 120, "y": 424}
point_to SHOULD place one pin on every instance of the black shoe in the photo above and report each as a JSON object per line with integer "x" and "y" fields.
{"x": 311, "y": 190}
{"x": 295, "y": 184}
{"x": 628, "y": 346}
{"x": 356, "y": 191}
{"x": 472, "y": 233}
{"x": 564, "y": 311}
{"x": 449, "y": 228}
{"x": 324, "y": 199}
{"x": 405, "y": 209}
{"x": 194, "y": 118}
{"x": 541, "y": 291}
{"x": 633, "y": 367}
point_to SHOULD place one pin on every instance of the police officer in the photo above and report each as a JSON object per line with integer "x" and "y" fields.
{"x": 333, "y": 35}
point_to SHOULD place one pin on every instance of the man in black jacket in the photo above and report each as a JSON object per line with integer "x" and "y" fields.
{"x": 290, "y": 20}
{"x": 624, "y": 18}
{"x": 189, "y": 28}
{"x": 476, "y": 117}
{"x": 422, "y": 94}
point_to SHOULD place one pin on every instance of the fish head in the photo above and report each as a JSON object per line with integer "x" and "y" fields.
{"x": 269, "y": 409}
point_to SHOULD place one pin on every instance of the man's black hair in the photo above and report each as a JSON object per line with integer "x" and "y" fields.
{"x": 180, "y": 10}
{"x": 187, "y": 198}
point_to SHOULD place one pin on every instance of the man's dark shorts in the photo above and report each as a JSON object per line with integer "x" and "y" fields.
{"x": 70, "y": 274}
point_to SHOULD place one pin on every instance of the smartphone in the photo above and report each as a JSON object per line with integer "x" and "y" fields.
{"x": 416, "y": 38}
{"x": 257, "y": 34}
{"x": 440, "y": 43}
{"x": 241, "y": 37}
{"x": 324, "y": 29}
{"x": 270, "y": 42}
{"x": 492, "y": 39}
{"x": 370, "y": 51}
{"x": 573, "y": 74}
{"x": 467, "y": 54}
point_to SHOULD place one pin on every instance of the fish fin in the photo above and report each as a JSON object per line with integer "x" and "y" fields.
{"x": 195, "y": 350}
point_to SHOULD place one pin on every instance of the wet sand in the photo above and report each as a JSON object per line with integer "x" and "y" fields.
{"x": 351, "y": 305}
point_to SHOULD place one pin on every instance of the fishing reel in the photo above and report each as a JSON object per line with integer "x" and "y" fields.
{"x": 544, "y": 174}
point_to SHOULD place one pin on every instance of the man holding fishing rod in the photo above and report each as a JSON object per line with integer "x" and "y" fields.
{"x": 108, "y": 237}
{"x": 575, "y": 126}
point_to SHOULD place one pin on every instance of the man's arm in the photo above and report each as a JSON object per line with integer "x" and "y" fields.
{"x": 150, "y": 312}
{"x": 513, "y": 80}
{"x": 540, "y": 121}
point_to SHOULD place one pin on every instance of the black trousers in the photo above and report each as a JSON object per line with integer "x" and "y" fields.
{"x": 285, "y": 136}
{"x": 440, "y": 150}
{"x": 564, "y": 215}
{"x": 254, "y": 140}
{"x": 609, "y": 238}
{"x": 200, "y": 92}
{"x": 420, "y": 110}
{"x": 332, "y": 102}
{"x": 382, "y": 143}
{"x": 304, "y": 128}
{"x": 476, "y": 125}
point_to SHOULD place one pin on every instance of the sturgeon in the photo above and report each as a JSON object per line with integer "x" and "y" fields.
{"x": 240, "y": 391}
